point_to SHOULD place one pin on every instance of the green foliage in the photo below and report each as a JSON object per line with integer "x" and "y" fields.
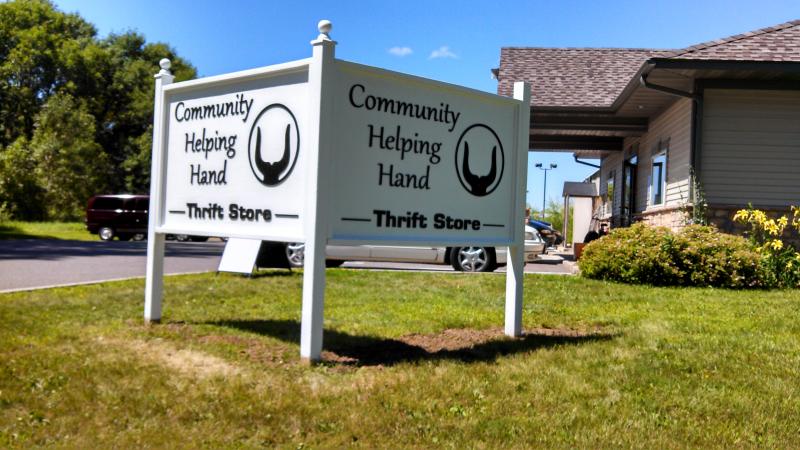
{"x": 44, "y": 53}
{"x": 554, "y": 213}
{"x": 780, "y": 261}
{"x": 637, "y": 254}
{"x": 695, "y": 256}
{"x": 20, "y": 193}
{"x": 696, "y": 211}
{"x": 71, "y": 166}
{"x": 707, "y": 257}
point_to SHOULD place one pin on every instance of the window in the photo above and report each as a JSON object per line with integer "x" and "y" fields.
{"x": 658, "y": 176}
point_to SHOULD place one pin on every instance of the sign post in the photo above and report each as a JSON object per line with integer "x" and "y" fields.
{"x": 516, "y": 257}
{"x": 154, "y": 282}
{"x": 323, "y": 151}
{"x": 322, "y": 63}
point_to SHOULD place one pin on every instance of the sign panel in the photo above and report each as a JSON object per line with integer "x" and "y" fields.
{"x": 235, "y": 156}
{"x": 239, "y": 256}
{"x": 421, "y": 161}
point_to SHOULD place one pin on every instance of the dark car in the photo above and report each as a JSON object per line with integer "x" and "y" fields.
{"x": 549, "y": 234}
{"x": 123, "y": 216}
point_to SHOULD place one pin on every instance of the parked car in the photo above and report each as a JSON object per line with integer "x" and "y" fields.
{"x": 550, "y": 235}
{"x": 465, "y": 259}
{"x": 123, "y": 216}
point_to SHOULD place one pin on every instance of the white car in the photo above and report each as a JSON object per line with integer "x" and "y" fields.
{"x": 466, "y": 259}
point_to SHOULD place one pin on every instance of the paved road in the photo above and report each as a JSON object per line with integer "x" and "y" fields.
{"x": 32, "y": 263}
{"x": 37, "y": 263}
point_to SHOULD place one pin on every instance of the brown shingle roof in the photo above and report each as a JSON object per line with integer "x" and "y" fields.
{"x": 595, "y": 77}
{"x": 776, "y": 43}
{"x": 579, "y": 77}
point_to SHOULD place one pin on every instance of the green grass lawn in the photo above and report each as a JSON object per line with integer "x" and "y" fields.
{"x": 45, "y": 230}
{"x": 412, "y": 360}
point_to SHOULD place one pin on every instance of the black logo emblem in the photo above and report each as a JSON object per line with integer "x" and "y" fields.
{"x": 479, "y": 160}
{"x": 274, "y": 144}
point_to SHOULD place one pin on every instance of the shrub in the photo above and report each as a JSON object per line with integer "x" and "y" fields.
{"x": 706, "y": 257}
{"x": 637, "y": 254}
{"x": 696, "y": 256}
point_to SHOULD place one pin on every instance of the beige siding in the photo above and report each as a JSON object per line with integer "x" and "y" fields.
{"x": 751, "y": 147}
{"x": 612, "y": 162}
{"x": 675, "y": 125}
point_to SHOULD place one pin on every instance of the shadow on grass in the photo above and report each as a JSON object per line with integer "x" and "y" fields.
{"x": 8, "y": 232}
{"x": 262, "y": 273}
{"x": 347, "y": 349}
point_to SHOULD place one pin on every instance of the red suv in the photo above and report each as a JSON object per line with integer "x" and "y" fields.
{"x": 123, "y": 216}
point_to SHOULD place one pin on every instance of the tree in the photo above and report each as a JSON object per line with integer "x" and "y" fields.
{"x": 45, "y": 53}
{"x": 554, "y": 213}
{"x": 70, "y": 165}
{"x": 39, "y": 49}
{"x": 20, "y": 193}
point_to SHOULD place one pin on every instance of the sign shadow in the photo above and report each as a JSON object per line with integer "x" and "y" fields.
{"x": 465, "y": 345}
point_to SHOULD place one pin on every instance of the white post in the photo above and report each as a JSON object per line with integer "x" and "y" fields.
{"x": 154, "y": 283}
{"x": 516, "y": 252}
{"x": 319, "y": 74}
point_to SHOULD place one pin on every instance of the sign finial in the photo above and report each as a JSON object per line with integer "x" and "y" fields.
{"x": 165, "y": 66}
{"x": 324, "y": 27}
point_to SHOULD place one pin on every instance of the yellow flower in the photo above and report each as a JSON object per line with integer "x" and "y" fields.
{"x": 770, "y": 227}
{"x": 776, "y": 244}
{"x": 741, "y": 215}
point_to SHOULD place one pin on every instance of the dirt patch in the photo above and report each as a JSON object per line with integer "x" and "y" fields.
{"x": 185, "y": 361}
{"x": 254, "y": 349}
{"x": 344, "y": 351}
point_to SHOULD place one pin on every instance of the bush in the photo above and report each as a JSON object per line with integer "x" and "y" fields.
{"x": 695, "y": 256}
{"x": 706, "y": 257}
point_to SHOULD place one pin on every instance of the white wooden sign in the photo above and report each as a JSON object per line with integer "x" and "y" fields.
{"x": 234, "y": 159}
{"x": 322, "y": 150}
{"x": 422, "y": 162}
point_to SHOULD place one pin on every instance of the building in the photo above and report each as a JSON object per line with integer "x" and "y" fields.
{"x": 722, "y": 116}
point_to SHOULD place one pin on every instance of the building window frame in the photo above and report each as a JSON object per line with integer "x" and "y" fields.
{"x": 657, "y": 183}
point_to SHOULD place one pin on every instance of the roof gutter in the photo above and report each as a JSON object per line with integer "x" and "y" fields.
{"x": 585, "y": 163}
{"x": 665, "y": 89}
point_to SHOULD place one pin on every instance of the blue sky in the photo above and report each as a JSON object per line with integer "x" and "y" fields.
{"x": 453, "y": 41}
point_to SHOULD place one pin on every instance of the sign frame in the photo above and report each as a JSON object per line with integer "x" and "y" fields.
{"x": 323, "y": 69}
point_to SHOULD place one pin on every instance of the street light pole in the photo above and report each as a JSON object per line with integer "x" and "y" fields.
{"x": 544, "y": 189}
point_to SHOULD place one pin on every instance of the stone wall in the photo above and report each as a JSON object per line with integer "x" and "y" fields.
{"x": 670, "y": 217}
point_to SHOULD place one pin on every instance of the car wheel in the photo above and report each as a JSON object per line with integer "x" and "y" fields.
{"x": 106, "y": 233}
{"x": 473, "y": 259}
{"x": 139, "y": 236}
{"x": 182, "y": 237}
{"x": 296, "y": 254}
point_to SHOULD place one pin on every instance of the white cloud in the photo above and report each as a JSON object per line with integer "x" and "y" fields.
{"x": 442, "y": 52}
{"x": 401, "y": 51}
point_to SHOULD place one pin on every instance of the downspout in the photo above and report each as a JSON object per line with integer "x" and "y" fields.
{"x": 696, "y": 125}
{"x": 584, "y": 162}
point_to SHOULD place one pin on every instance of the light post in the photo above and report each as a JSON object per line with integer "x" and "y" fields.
{"x": 544, "y": 190}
